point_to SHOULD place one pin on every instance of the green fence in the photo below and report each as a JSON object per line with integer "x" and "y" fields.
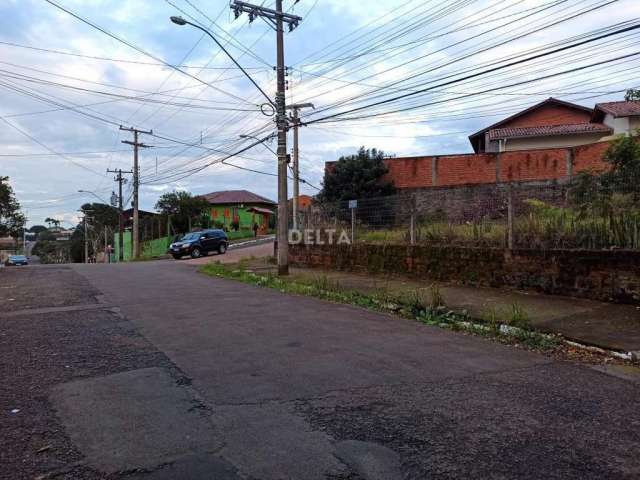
{"x": 148, "y": 249}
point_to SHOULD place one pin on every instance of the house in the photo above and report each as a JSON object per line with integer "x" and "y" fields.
{"x": 304, "y": 202}
{"x": 551, "y": 141}
{"x": 127, "y": 216}
{"x": 549, "y": 124}
{"x": 241, "y": 206}
{"x": 622, "y": 117}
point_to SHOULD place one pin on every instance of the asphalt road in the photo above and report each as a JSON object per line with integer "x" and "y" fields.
{"x": 224, "y": 380}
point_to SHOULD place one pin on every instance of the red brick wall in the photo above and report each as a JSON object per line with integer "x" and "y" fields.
{"x": 588, "y": 158}
{"x": 549, "y": 115}
{"x": 411, "y": 172}
{"x": 526, "y": 165}
{"x": 516, "y": 166}
{"x": 464, "y": 169}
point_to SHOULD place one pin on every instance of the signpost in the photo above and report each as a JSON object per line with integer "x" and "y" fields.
{"x": 353, "y": 204}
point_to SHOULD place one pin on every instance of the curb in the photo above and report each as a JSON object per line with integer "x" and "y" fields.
{"x": 250, "y": 243}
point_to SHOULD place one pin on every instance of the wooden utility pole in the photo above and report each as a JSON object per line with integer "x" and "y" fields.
{"x": 120, "y": 179}
{"x": 86, "y": 234}
{"x": 136, "y": 184}
{"x": 277, "y": 18}
{"x": 295, "y": 120}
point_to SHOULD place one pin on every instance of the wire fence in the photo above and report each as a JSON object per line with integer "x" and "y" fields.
{"x": 538, "y": 215}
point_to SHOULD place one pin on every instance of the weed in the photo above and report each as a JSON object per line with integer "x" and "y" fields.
{"x": 519, "y": 317}
{"x": 410, "y": 306}
{"x": 437, "y": 300}
{"x": 491, "y": 319}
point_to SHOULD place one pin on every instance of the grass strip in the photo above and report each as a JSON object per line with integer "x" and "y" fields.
{"x": 409, "y": 305}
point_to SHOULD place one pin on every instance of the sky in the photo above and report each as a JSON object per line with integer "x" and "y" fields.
{"x": 67, "y": 86}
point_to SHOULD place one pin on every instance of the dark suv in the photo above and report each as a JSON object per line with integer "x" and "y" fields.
{"x": 200, "y": 243}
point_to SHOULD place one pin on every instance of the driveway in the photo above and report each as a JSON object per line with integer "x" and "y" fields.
{"x": 149, "y": 371}
{"x": 234, "y": 254}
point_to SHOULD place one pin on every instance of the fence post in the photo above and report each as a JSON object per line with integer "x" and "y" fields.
{"x": 510, "y": 218}
{"x": 353, "y": 225}
{"x": 412, "y": 221}
{"x": 412, "y": 228}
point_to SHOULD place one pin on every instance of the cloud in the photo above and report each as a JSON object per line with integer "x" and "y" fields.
{"x": 326, "y": 44}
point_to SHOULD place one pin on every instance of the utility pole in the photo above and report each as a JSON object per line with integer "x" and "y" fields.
{"x": 86, "y": 234}
{"x": 295, "y": 120}
{"x": 277, "y": 18}
{"x": 136, "y": 184}
{"x": 86, "y": 240}
{"x": 120, "y": 179}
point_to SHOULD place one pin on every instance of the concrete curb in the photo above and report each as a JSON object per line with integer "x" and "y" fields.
{"x": 251, "y": 243}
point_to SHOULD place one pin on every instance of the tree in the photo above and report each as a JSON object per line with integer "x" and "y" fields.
{"x": 624, "y": 156}
{"x": 356, "y": 177}
{"x": 183, "y": 208}
{"x": 632, "y": 95}
{"x": 617, "y": 189}
{"x": 102, "y": 215}
{"x": 52, "y": 222}
{"x": 12, "y": 220}
{"x": 38, "y": 229}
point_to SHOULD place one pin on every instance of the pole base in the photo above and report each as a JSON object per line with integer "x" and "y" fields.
{"x": 283, "y": 270}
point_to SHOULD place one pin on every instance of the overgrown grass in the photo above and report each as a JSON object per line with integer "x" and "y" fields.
{"x": 536, "y": 225}
{"x": 410, "y": 305}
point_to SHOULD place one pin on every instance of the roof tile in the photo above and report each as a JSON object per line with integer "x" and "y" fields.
{"x": 548, "y": 130}
{"x": 620, "y": 109}
{"x": 235, "y": 196}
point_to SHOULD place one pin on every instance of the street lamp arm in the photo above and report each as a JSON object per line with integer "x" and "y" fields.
{"x": 95, "y": 195}
{"x": 182, "y": 21}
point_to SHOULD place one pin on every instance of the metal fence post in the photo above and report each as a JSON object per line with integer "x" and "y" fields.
{"x": 412, "y": 221}
{"x": 412, "y": 228}
{"x": 510, "y": 218}
{"x": 353, "y": 225}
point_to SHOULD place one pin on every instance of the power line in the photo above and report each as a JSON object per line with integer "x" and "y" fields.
{"x": 122, "y": 60}
{"x": 43, "y": 145}
{"x": 481, "y": 73}
{"x": 125, "y": 42}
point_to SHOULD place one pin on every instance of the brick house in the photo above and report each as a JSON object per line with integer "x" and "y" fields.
{"x": 548, "y": 124}
{"x": 550, "y": 141}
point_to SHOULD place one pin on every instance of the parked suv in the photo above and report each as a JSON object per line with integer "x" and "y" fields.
{"x": 200, "y": 243}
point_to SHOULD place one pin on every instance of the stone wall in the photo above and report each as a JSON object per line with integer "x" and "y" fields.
{"x": 489, "y": 201}
{"x": 608, "y": 275}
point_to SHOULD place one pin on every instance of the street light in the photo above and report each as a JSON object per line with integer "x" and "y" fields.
{"x": 181, "y": 21}
{"x": 95, "y": 195}
{"x": 262, "y": 141}
{"x": 178, "y": 20}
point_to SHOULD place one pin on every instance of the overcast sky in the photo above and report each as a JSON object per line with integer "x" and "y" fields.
{"x": 334, "y": 54}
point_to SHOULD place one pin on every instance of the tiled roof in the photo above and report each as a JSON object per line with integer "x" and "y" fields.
{"x": 235, "y": 196}
{"x": 620, "y": 109}
{"x": 548, "y": 130}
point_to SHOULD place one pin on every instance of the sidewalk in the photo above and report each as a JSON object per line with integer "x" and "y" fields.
{"x": 605, "y": 325}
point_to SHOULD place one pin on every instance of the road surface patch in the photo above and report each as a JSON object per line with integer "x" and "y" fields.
{"x": 132, "y": 420}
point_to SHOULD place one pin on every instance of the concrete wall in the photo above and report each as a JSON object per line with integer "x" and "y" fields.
{"x": 608, "y": 275}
